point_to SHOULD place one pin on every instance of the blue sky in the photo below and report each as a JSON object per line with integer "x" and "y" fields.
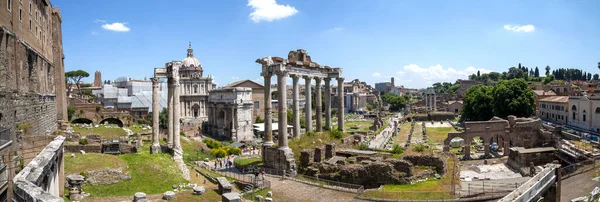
{"x": 418, "y": 42}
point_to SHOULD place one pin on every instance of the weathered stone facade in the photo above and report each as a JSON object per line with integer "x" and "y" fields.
{"x": 230, "y": 114}
{"x": 194, "y": 90}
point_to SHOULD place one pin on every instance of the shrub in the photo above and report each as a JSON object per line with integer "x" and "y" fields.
{"x": 233, "y": 151}
{"x": 182, "y": 134}
{"x": 419, "y": 148}
{"x": 218, "y": 152}
{"x": 83, "y": 141}
{"x": 143, "y": 121}
{"x": 311, "y": 133}
{"x": 25, "y": 126}
{"x": 397, "y": 149}
{"x": 258, "y": 120}
{"x": 84, "y": 174}
{"x": 363, "y": 146}
{"x": 336, "y": 133}
{"x": 213, "y": 144}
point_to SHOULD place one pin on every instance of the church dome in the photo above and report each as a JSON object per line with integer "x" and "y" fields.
{"x": 190, "y": 60}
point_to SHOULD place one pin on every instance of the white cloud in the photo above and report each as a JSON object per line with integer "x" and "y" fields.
{"x": 99, "y": 21}
{"x": 94, "y": 33}
{"x": 520, "y": 28}
{"x": 116, "y": 26}
{"x": 437, "y": 73}
{"x": 376, "y": 74}
{"x": 235, "y": 78}
{"x": 336, "y": 29}
{"x": 269, "y": 10}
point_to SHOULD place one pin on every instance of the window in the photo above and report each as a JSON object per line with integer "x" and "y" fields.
{"x": 256, "y": 105}
{"x": 8, "y": 4}
{"x": 20, "y": 15}
{"x": 29, "y": 8}
{"x": 30, "y": 25}
{"x": 597, "y": 110}
{"x": 583, "y": 118}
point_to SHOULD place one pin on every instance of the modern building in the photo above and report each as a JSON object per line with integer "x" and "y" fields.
{"x": 584, "y": 112}
{"x": 541, "y": 94}
{"x": 554, "y": 109}
{"x": 230, "y": 114}
{"x": 357, "y": 94}
{"x": 32, "y": 85}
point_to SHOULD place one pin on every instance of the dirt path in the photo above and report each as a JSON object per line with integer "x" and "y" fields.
{"x": 288, "y": 190}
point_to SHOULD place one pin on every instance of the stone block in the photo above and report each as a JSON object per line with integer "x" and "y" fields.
{"x": 268, "y": 199}
{"x": 304, "y": 158}
{"x": 259, "y": 198}
{"x": 139, "y": 196}
{"x": 169, "y": 195}
{"x": 224, "y": 185}
{"x": 318, "y": 155}
{"x": 269, "y": 193}
{"x": 199, "y": 190}
{"x": 231, "y": 197}
{"x": 329, "y": 151}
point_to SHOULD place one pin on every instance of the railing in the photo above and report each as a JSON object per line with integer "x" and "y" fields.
{"x": 257, "y": 181}
{"x": 534, "y": 186}
{"x": 474, "y": 191}
{"x": 578, "y": 168}
{"x": 335, "y": 185}
{"x": 5, "y": 141}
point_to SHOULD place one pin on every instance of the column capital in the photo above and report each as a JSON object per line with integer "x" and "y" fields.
{"x": 340, "y": 78}
{"x": 295, "y": 77}
{"x": 307, "y": 78}
{"x": 281, "y": 73}
{"x": 155, "y": 82}
{"x": 318, "y": 79}
{"x": 266, "y": 75}
{"x": 327, "y": 79}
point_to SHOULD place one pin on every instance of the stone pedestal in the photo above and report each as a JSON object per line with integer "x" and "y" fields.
{"x": 139, "y": 196}
{"x": 318, "y": 155}
{"x": 329, "y": 151}
{"x": 75, "y": 192}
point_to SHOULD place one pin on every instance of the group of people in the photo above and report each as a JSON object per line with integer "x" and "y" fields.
{"x": 223, "y": 163}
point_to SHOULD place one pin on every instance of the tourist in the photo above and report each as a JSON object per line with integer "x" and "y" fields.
{"x": 263, "y": 174}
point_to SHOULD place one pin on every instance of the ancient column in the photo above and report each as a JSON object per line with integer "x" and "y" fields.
{"x": 426, "y": 101}
{"x": 340, "y": 103}
{"x": 327, "y": 104}
{"x": 434, "y": 102}
{"x": 170, "y": 112}
{"x": 308, "y": 103}
{"x": 234, "y": 125}
{"x": 176, "y": 118}
{"x": 268, "y": 134}
{"x": 318, "y": 101}
{"x": 296, "y": 109}
{"x": 282, "y": 136}
{"x": 155, "y": 148}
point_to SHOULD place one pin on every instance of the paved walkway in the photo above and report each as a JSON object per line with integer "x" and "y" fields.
{"x": 382, "y": 138}
{"x": 288, "y": 190}
{"x": 504, "y": 186}
{"x": 578, "y": 185}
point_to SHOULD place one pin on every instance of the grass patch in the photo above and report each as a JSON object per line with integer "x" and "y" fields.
{"x": 262, "y": 192}
{"x": 310, "y": 142}
{"x": 357, "y": 126}
{"x": 438, "y": 134}
{"x": 583, "y": 145}
{"x": 209, "y": 195}
{"x": 106, "y": 133}
{"x": 402, "y": 136}
{"x": 151, "y": 174}
{"x": 248, "y": 162}
{"x": 192, "y": 151}
{"x": 428, "y": 190}
{"x": 91, "y": 161}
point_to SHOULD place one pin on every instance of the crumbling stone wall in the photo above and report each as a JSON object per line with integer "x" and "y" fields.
{"x": 427, "y": 160}
{"x": 87, "y": 148}
{"x": 41, "y": 179}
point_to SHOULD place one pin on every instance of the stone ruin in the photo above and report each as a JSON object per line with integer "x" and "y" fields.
{"x": 514, "y": 132}
{"x": 370, "y": 169}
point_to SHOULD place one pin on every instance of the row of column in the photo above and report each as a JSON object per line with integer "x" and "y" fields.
{"x": 174, "y": 111}
{"x": 282, "y": 106}
{"x": 431, "y": 102}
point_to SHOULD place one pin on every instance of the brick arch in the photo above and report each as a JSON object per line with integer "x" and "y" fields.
{"x": 113, "y": 120}
{"x": 484, "y": 129}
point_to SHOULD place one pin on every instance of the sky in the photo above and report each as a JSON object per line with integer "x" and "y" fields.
{"x": 417, "y": 42}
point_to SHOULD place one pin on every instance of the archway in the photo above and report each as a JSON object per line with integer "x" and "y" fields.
{"x": 457, "y": 146}
{"x": 195, "y": 110}
{"x": 477, "y": 147}
{"x": 112, "y": 121}
{"x": 82, "y": 120}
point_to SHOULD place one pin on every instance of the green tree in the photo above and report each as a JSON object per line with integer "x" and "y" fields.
{"x": 70, "y": 112}
{"x": 258, "y": 120}
{"x": 548, "y": 79}
{"x": 548, "y": 70}
{"x": 370, "y": 107}
{"x": 536, "y": 72}
{"x": 513, "y": 97}
{"x": 596, "y": 77}
{"x": 163, "y": 118}
{"x": 477, "y": 103}
{"x": 74, "y": 77}
{"x": 396, "y": 102}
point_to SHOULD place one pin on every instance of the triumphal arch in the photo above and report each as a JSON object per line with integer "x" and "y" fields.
{"x": 297, "y": 65}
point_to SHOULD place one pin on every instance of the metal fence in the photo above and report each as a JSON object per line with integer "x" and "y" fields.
{"x": 579, "y": 168}
{"x": 340, "y": 186}
{"x": 257, "y": 181}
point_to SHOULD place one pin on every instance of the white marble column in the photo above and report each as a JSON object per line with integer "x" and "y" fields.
{"x": 170, "y": 117}
{"x": 178, "y": 152}
{"x": 296, "y": 109}
{"x": 308, "y": 103}
{"x": 155, "y": 148}
{"x": 340, "y": 103}
{"x": 434, "y": 102}
{"x": 327, "y": 103}
{"x": 268, "y": 134}
{"x": 319, "y": 113}
{"x": 282, "y": 136}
